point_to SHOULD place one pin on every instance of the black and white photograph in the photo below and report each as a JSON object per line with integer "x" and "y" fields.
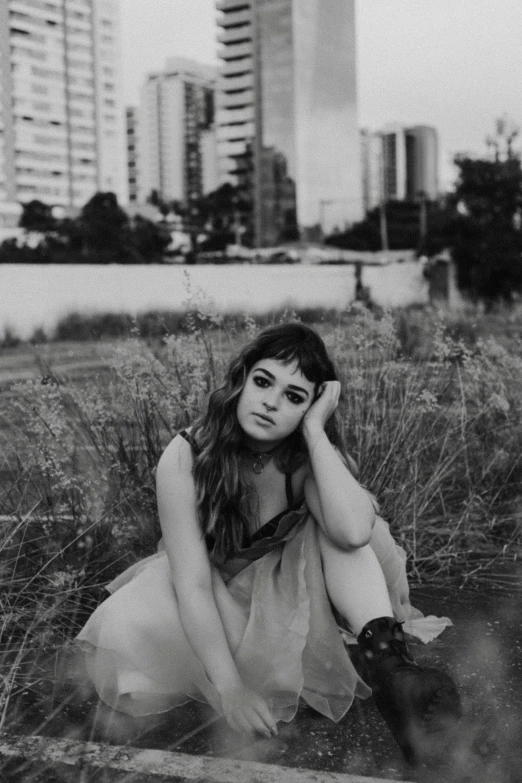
{"x": 260, "y": 391}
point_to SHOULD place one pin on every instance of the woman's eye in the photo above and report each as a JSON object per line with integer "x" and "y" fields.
{"x": 295, "y": 398}
{"x": 260, "y": 381}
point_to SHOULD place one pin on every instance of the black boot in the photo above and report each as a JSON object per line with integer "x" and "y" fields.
{"x": 421, "y": 705}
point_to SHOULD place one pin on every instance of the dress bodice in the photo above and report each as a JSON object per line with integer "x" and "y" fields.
{"x": 271, "y": 534}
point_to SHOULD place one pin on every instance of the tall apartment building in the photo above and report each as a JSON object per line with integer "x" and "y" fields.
{"x": 399, "y": 163}
{"x": 286, "y": 113}
{"x": 61, "y": 119}
{"x": 176, "y": 133}
{"x": 422, "y": 155}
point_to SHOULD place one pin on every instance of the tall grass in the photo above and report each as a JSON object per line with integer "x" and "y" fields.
{"x": 438, "y": 439}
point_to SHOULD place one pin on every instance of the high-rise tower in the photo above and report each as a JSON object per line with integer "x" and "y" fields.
{"x": 176, "y": 133}
{"x": 287, "y": 123}
{"x": 399, "y": 163}
{"x": 62, "y": 133}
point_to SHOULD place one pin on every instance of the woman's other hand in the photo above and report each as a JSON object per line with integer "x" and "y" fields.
{"x": 322, "y": 408}
{"x": 246, "y": 711}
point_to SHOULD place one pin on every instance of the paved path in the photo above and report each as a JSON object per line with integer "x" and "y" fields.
{"x": 149, "y": 765}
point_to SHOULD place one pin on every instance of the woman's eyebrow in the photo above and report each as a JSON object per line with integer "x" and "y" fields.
{"x": 290, "y": 386}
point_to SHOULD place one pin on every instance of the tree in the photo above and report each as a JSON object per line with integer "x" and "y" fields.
{"x": 226, "y": 215}
{"x": 482, "y": 225}
{"x": 404, "y": 221}
{"x": 105, "y": 229}
{"x": 156, "y": 200}
{"x": 149, "y": 239}
{"x": 37, "y": 216}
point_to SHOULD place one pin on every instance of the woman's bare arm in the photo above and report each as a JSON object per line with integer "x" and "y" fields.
{"x": 343, "y": 508}
{"x": 192, "y": 580}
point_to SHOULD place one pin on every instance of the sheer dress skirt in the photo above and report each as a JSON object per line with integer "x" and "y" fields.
{"x": 277, "y": 618}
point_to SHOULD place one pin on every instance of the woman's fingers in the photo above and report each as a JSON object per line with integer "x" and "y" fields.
{"x": 248, "y": 724}
{"x": 258, "y": 724}
{"x": 247, "y": 711}
{"x": 266, "y": 716}
{"x": 250, "y": 720}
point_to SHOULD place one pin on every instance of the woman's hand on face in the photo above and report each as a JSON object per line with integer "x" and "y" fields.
{"x": 246, "y": 711}
{"x": 322, "y": 408}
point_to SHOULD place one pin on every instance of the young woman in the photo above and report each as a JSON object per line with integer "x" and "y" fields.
{"x": 272, "y": 559}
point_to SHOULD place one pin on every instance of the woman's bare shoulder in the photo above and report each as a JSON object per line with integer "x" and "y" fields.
{"x": 176, "y": 456}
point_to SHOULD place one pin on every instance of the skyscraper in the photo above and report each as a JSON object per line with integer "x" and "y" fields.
{"x": 287, "y": 124}
{"x": 394, "y": 162}
{"x": 422, "y": 153}
{"x": 176, "y": 134}
{"x": 399, "y": 163}
{"x": 61, "y": 118}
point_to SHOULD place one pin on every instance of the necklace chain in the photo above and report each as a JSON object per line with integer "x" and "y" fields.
{"x": 260, "y": 459}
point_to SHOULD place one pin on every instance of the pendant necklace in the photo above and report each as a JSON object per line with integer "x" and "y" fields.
{"x": 260, "y": 458}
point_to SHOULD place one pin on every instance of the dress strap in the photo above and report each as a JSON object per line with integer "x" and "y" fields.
{"x": 188, "y": 437}
{"x": 289, "y": 490}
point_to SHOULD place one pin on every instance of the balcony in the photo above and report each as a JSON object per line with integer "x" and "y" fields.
{"x": 241, "y": 67}
{"x": 235, "y": 35}
{"x": 235, "y": 51}
{"x": 233, "y": 83}
{"x": 233, "y": 5}
{"x": 238, "y": 100}
{"x": 235, "y": 132}
{"x": 228, "y": 116}
{"x": 232, "y": 149}
{"x": 233, "y": 18}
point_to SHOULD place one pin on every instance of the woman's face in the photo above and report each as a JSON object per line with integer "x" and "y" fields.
{"x": 274, "y": 399}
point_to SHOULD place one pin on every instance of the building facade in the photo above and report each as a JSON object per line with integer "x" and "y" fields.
{"x": 176, "y": 132}
{"x": 62, "y": 134}
{"x": 287, "y": 122}
{"x": 422, "y": 155}
{"x": 399, "y": 163}
{"x": 131, "y": 117}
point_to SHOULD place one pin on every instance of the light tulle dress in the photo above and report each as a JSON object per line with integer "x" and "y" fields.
{"x": 277, "y": 617}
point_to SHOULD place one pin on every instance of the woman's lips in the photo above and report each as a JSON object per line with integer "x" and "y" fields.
{"x": 262, "y": 417}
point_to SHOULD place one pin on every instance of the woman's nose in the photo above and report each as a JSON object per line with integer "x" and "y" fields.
{"x": 270, "y": 402}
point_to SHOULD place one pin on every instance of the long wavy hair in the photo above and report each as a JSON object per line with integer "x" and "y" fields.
{"x": 225, "y": 501}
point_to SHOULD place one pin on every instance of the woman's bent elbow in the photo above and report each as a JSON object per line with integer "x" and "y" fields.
{"x": 348, "y": 540}
{"x": 357, "y": 541}
{"x": 358, "y": 537}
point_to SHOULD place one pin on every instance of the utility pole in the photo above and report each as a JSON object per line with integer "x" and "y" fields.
{"x": 323, "y": 203}
{"x": 423, "y": 216}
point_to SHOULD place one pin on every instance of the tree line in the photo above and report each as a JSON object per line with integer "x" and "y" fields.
{"x": 102, "y": 233}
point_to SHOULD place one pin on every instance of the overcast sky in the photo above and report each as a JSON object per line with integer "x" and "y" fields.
{"x": 454, "y": 64}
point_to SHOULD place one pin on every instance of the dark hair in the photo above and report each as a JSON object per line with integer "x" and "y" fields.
{"x": 225, "y": 502}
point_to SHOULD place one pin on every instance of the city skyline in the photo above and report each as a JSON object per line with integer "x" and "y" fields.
{"x": 450, "y": 65}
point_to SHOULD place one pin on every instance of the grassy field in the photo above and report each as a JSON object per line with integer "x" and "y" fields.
{"x": 433, "y": 416}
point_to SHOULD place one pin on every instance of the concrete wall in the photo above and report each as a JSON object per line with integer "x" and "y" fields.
{"x": 36, "y": 295}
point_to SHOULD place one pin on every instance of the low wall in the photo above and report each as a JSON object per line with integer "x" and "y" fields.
{"x": 36, "y": 295}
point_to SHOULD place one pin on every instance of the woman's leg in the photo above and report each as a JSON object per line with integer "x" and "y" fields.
{"x": 355, "y": 583}
{"x": 417, "y": 702}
